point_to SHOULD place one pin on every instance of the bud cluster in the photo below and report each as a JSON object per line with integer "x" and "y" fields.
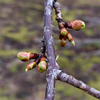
{"x": 64, "y": 34}
{"x": 39, "y": 60}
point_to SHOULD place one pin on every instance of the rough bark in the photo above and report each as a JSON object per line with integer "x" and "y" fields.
{"x": 50, "y": 88}
{"x": 79, "y": 84}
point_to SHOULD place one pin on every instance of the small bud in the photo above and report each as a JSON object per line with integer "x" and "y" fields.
{"x": 43, "y": 59}
{"x": 63, "y": 31}
{"x": 70, "y": 38}
{"x": 75, "y": 24}
{"x": 62, "y": 42}
{"x": 78, "y": 24}
{"x": 30, "y": 66}
{"x": 42, "y": 66}
{"x": 26, "y": 56}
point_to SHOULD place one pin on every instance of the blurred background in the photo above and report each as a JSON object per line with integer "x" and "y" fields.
{"x": 21, "y": 29}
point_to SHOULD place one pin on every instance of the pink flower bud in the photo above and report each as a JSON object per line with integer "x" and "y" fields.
{"x": 63, "y": 31}
{"x": 70, "y": 38}
{"x": 62, "y": 42}
{"x": 43, "y": 59}
{"x": 30, "y": 66}
{"x": 75, "y": 24}
{"x": 78, "y": 24}
{"x": 42, "y": 66}
{"x": 24, "y": 56}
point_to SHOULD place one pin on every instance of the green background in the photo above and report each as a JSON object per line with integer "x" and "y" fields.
{"x": 21, "y": 29}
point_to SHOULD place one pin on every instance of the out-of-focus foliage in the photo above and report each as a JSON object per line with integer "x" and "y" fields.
{"x": 21, "y": 29}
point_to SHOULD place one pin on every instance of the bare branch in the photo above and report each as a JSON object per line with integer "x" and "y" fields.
{"x": 79, "y": 84}
{"x": 50, "y": 87}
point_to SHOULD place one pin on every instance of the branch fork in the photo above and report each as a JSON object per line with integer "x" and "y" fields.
{"x": 47, "y": 52}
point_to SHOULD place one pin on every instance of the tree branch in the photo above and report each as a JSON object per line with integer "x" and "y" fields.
{"x": 50, "y": 87}
{"x": 53, "y": 71}
{"x": 79, "y": 84}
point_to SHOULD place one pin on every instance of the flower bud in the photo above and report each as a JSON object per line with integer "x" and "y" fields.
{"x": 69, "y": 24}
{"x": 43, "y": 59}
{"x": 70, "y": 38}
{"x": 63, "y": 31}
{"x": 42, "y": 66}
{"x": 23, "y": 56}
{"x": 26, "y": 56}
{"x": 30, "y": 66}
{"x": 75, "y": 24}
{"x": 78, "y": 24}
{"x": 62, "y": 42}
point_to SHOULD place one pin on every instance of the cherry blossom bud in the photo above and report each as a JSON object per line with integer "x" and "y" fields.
{"x": 70, "y": 38}
{"x": 75, "y": 24}
{"x": 42, "y": 66}
{"x": 78, "y": 24}
{"x": 26, "y": 56}
{"x": 63, "y": 31}
{"x": 30, "y": 66}
{"x": 43, "y": 59}
{"x": 62, "y": 42}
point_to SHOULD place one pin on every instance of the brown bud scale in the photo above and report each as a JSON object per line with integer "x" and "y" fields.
{"x": 33, "y": 56}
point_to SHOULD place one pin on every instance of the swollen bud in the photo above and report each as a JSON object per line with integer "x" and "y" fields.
{"x": 42, "y": 66}
{"x": 63, "y": 31}
{"x": 26, "y": 56}
{"x": 23, "y": 56}
{"x": 62, "y": 42}
{"x": 30, "y": 66}
{"x": 75, "y": 24}
{"x": 43, "y": 59}
{"x": 70, "y": 38}
{"x": 78, "y": 24}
